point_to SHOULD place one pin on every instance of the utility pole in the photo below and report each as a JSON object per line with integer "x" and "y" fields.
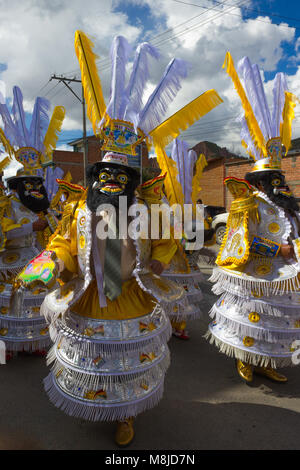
{"x": 66, "y": 81}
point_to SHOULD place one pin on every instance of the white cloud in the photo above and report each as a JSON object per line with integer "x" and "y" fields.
{"x": 37, "y": 39}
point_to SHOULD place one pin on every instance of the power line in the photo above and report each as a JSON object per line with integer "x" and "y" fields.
{"x": 234, "y": 14}
{"x": 209, "y": 20}
{"x": 106, "y": 62}
{"x": 248, "y": 8}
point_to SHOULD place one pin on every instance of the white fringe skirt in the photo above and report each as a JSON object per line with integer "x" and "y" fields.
{"x": 259, "y": 329}
{"x": 22, "y": 328}
{"x": 108, "y": 370}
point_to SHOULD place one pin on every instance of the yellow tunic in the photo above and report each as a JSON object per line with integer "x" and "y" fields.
{"x": 133, "y": 301}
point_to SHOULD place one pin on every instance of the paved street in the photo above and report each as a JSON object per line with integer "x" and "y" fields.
{"x": 205, "y": 406}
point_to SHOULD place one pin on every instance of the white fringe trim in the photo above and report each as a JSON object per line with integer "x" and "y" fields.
{"x": 261, "y": 333}
{"x": 100, "y": 411}
{"x": 28, "y": 346}
{"x": 230, "y": 283}
{"x": 259, "y": 306}
{"x": 184, "y": 315}
{"x": 246, "y": 356}
{"x": 94, "y": 380}
{"x": 89, "y": 346}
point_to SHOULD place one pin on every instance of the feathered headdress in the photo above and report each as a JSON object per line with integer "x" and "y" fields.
{"x": 184, "y": 174}
{"x": 262, "y": 133}
{"x": 126, "y": 121}
{"x": 32, "y": 145}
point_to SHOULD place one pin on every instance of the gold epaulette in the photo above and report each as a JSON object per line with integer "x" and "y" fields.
{"x": 73, "y": 192}
{"x": 244, "y": 200}
{"x": 151, "y": 192}
{"x": 235, "y": 247}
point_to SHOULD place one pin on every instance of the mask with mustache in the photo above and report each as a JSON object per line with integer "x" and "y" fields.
{"x": 274, "y": 185}
{"x": 32, "y": 193}
{"x": 107, "y": 183}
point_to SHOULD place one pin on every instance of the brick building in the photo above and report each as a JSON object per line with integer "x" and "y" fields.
{"x": 73, "y": 160}
{"x": 222, "y": 164}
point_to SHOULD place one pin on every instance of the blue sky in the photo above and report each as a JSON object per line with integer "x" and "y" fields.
{"x": 200, "y": 31}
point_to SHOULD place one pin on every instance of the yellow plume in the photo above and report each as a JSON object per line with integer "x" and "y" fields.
{"x": 172, "y": 186}
{"x": 68, "y": 177}
{"x": 90, "y": 79}
{"x": 168, "y": 130}
{"x": 53, "y": 130}
{"x": 6, "y": 144}
{"x": 288, "y": 115}
{"x": 4, "y": 163}
{"x": 254, "y": 129}
{"x": 196, "y": 188}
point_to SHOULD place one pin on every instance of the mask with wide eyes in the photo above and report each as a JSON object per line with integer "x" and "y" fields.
{"x": 104, "y": 176}
{"x": 33, "y": 189}
{"x": 112, "y": 181}
{"x": 28, "y": 186}
{"x": 122, "y": 178}
{"x": 276, "y": 182}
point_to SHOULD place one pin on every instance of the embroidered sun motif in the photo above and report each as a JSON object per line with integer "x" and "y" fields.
{"x": 274, "y": 227}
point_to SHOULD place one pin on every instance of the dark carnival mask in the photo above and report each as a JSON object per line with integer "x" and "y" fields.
{"x": 106, "y": 183}
{"x": 32, "y": 194}
{"x": 274, "y": 185}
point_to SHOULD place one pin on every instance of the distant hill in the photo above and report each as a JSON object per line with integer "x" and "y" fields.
{"x": 212, "y": 151}
{"x": 295, "y": 144}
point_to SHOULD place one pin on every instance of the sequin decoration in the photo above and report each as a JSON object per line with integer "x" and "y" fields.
{"x": 248, "y": 341}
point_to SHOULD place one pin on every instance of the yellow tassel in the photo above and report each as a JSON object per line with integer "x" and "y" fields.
{"x": 90, "y": 79}
{"x": 172, "y": 186}
{"x": 53, "y": 130}
{"x": 288, "y": 115}
{"x": 254, "y": 129}
{"x": 196, "y": 188}
{"x": 168, "y": 130}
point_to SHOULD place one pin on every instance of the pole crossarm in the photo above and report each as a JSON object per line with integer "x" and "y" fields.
{"x": 66, "y": 81}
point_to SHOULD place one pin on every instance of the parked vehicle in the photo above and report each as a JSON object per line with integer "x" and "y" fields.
{"x": 219, "y": 225}
{"x": 212, "y": 211}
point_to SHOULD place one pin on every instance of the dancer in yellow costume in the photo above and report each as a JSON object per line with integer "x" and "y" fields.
{"x": 184, "y": 171}
{"x": 256, "y": 318}
{"x": 110, "y": 331}
{"x": 26, "y": 219}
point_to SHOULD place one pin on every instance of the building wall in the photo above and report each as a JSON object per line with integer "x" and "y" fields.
{"x": 215, "y": 193}
{"x": 70, "y": 161}
{"x": 212, "y": 192}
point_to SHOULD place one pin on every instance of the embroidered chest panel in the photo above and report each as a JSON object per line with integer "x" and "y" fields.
{"x": 273, "y": 223}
